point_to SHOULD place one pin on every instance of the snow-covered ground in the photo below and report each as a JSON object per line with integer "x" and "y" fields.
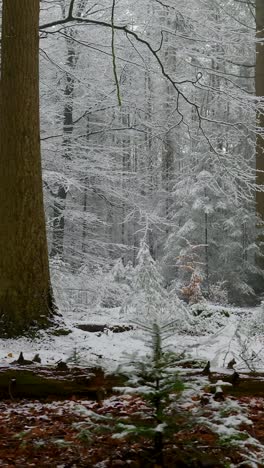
{"x": 213, "y": 340}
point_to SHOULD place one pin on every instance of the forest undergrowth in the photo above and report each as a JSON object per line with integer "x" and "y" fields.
{"x": 67, "y": 433}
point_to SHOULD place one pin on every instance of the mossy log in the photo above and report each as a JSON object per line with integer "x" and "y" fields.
{"x": 44, "y": 382}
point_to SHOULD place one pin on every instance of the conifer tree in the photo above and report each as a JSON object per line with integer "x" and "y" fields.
{"x": 154, "y": 377}
{"x": 148, "y": 296}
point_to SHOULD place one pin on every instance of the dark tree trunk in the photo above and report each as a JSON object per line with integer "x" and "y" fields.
{"x": 25, "y": 292}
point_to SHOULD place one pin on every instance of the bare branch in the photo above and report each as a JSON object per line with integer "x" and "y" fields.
{"x": 113, "y": 54}
{"x": 70, "y": 14}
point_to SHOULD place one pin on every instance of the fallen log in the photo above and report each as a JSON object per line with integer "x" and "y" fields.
{"x": 94, "y": 328}
{"x": 243, "y": 384}
{"x": 43, "y": 382}
{"x": 33, "y": 381}
{"x": 240, "y": 384}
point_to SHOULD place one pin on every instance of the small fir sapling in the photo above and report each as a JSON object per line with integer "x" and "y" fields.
{"x": 153, "y": 377}
{"x": 151, "y": 300}
{"x": 148, "y": 296}
{"x": 75, "y": 358}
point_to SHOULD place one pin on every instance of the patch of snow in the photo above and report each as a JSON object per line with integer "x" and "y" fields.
{"x": 221, "y": 383}
{"x": 160, "y": 427}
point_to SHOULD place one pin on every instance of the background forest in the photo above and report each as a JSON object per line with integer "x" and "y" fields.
{"x": 150, "y": 136}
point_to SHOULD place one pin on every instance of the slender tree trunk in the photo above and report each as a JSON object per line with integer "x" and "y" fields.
{"x": 85, "y": 206}
{"x": 260, "y": 124}
{"x": 68, "y": 125}
{"x": 168, "y": 152}
{"x": 125, "y": 170}
{"x": 60, "y": 200}
{"x": 135, "y": 216}
{"x": 206, "y": 253}
{"x": 25, "y": 293}
{"x": 150, "y": 179}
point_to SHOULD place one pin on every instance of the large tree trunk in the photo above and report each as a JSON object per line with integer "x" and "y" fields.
{"x": 260, "y": 124}
{"x": 25, "y": 293}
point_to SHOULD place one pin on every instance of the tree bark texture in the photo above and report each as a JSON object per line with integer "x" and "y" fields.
{"x": 25, "y": 293}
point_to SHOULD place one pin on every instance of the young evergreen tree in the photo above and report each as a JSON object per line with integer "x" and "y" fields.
{"x": 148, "y": 297}
{"x": 154, "y": 377}
{"x": 25, "y": 290}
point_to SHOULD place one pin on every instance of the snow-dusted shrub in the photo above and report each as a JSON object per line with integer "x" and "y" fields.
{"x": 83, "y": 289}
{"x": 149, "y": 299}
{"x": 114, "y": 294}
{"x": 192, "y": 293}
{"x": 249, "y": 337}
{"x": 207, "y": 319}
{"x": 218, "y": 293}
{"x": 256, "y": 325}
{"x": 123, "y": 274}
{"x": 75, "y": 290}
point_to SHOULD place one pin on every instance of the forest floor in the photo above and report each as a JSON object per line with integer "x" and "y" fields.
{"x": 78, "y": 432}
